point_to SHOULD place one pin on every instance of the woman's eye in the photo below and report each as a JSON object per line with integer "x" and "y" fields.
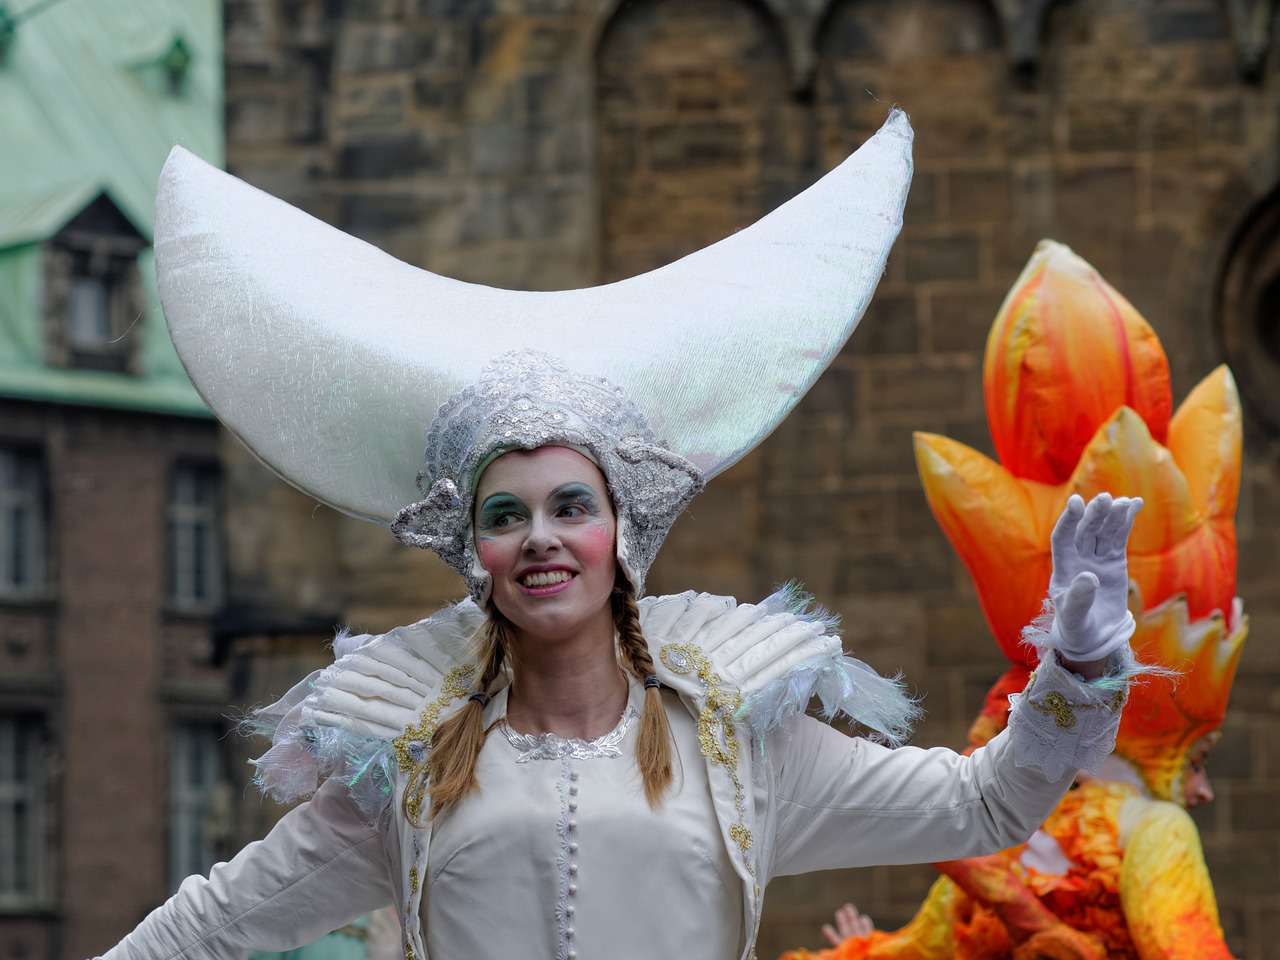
{"x": 500, "y": 521}
{"x": 572, "y": 510}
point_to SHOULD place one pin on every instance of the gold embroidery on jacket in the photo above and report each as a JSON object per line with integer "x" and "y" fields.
{"x": 717, "y": 734}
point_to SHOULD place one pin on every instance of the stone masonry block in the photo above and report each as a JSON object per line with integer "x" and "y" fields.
{"x": 367, "y": 215}
{"x": 1104, "y": 125}
{"x": 500, "y": 149}
{"x": 922, "y": 200}
{"x": 441, "y": 44}
{"x": 552, "y": 42}
{"x": 673, "y": 147}
{"x": 564, "y": 148}
{"x": 1029, "y": 127}
{"x": 1187, "y": 23}
{"x": 803, "y": 450}
{"x": 957, "y": 635}
{"x": 255, "y": 120}
{"x": 551, "y": 96}
{"x": 1083, "y": 191}
{"x": 1254, "y": 808}
{"x": 835, "y": 393}
{"x": 1224, "y": 123}
{"x": 959, "y": 321}
{"x": 1237, "y": 863}
{"x": 857, "y": 515}
{"x": 979, "y": 196}
{"x": 383, "y": 156}
{"x": 1257, "y": 688}
{"x": 375, "y": 105}
{"x": 907, "y": 570}
{"x": 950, "y": 257}
{"x": 916, "y": 386}
{"x": 374, "y": 48}
{"x": 1235, "y": 754}
{"x": 970, "y": 428}
{"x": 913, "y": 520}
{"x": 953, "y": 134}
{"x": 439, "y": 91}
{"x": 890, "y": 325}
{"x": 1175, "y": 125}
{"x": 878, "y": 447}
{"x": 1149, "y": 255}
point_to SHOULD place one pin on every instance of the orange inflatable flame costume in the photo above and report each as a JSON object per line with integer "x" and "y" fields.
{"x": 1078, "y": 401}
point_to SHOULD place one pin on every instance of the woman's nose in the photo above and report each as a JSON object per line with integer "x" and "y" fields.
{"x": 540, "y": 537}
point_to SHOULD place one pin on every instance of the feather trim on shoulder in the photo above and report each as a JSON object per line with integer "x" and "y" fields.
{"x": 340, "y": 723}
{"x": 844, "y": 685}
{"x": 778, "y": 654}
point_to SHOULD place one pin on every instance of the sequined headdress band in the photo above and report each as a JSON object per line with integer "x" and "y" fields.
{"x": 524, "y": 400}
{"x": 329, "y": 359}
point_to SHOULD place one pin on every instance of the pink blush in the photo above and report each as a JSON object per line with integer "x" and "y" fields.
{"x": 597, "y": 545}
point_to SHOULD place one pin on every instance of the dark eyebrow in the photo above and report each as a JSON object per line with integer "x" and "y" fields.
{"x": 574, "y": 488}
{"x": 500, "y": 500}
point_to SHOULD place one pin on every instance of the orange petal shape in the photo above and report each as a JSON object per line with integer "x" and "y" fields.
{"x": 1174, "y": 548}
{"x": 1165, "y": 716}
{"x": 1205, "y": 437}
{"x": 996, "y": 524}
{"x": 1065, "y": 351}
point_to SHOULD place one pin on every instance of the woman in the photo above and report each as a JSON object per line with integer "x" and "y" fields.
{"x": 601, "y": 775}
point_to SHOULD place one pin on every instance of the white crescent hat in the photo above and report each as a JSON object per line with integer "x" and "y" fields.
{"x": 329, "y": 359}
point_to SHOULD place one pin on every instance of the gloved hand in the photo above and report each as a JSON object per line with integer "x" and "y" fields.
{"x": 1090, "y": 583}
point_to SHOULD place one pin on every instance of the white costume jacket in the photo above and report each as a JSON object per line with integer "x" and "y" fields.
{"x": 788, "y": 794}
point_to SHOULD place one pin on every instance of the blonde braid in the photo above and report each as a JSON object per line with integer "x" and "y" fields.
{"x": 653, "y": 741}
{"x": 449, "y": 768}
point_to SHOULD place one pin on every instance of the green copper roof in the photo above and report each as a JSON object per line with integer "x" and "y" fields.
{"x": 93, "y": 94}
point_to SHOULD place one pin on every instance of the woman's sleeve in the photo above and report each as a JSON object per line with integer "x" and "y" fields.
{"x": 846, "y": 802}
{"x": 322, "y": 866}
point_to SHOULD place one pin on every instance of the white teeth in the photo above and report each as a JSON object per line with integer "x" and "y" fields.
{"x": 546, "y": 579}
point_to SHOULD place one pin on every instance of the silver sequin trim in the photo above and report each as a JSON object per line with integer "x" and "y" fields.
{"x": 547, "y": 746}
{"x": 527, "y": 399}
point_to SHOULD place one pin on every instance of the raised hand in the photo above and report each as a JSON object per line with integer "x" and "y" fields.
{"x": 849, "y": 922}
{"x": 1090, "y": 583}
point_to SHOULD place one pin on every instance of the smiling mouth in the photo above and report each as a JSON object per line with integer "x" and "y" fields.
{"x": 546, "y": 578}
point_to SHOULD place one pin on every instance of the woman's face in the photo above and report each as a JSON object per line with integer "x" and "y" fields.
{"x": 545, "y": 531}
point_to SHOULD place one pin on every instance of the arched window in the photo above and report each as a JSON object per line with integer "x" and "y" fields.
{"x": 1249, "y": 311}
{"x": 699, "y": 133}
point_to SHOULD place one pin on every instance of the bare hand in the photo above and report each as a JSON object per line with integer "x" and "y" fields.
{"x": 849, "y": 923}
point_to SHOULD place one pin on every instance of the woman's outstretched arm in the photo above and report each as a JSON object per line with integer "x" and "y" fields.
{"x": 322, "y": 866}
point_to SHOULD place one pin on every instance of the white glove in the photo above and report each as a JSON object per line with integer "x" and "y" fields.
{"x": 1090, "y": 583}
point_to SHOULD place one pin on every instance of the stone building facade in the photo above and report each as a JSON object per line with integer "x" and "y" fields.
{"x": 548, "y": 144}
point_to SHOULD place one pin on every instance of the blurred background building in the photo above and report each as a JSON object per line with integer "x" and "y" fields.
{"x": 152, "y": 573}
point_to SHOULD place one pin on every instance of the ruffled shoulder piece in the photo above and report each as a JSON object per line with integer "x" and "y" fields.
{"x": 356, "y": 721}
{"x": 768, "y": 660}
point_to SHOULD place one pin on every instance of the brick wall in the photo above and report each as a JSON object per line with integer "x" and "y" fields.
{"x": 555, "y": 144}
{"x": 105, "y": 665}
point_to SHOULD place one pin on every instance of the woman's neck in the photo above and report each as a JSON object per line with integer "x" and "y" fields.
{"x": 573, "y": 693}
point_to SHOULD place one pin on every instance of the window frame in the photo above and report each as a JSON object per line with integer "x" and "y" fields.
{"x": 37, "y": 894}
{"x": 33, "y": 491}
{"x": 196, "y": 579}
{"x": 99, "y": 246}
{"x": 199, "y": 808}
